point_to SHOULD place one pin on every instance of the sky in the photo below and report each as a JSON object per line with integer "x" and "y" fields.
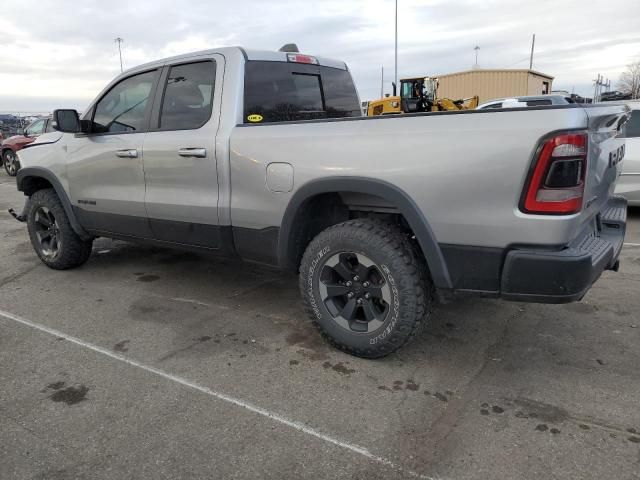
{"x": 62, "y": 53}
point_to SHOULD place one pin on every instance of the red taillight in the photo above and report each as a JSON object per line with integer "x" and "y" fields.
{"x": 556, "y": 185}
{"x": 298, "y": 58}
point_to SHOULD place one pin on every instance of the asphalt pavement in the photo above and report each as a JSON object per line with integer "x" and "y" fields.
{"x": 148, "y": 363}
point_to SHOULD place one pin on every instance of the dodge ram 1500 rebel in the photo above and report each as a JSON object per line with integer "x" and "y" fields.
{"x": 265, "y": 156}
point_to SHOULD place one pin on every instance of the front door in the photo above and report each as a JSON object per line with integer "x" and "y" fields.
{"x": 180, "y": 157}
{"x": 105, "y": 168}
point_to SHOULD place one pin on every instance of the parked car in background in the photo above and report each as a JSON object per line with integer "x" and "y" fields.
{"x": 614, "y": 96}
{"x": 530, "y": 101}
{"x": 629, "y": 182}
{"x": 12, "y": 145}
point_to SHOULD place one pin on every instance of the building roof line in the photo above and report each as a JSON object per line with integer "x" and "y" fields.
{"x": 489, "y": 70}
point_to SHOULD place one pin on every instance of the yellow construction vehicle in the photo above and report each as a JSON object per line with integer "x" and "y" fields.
{"x": 419, "y": 94}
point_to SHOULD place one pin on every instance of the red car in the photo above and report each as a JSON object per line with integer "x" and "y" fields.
{"x": 12, "y": 144}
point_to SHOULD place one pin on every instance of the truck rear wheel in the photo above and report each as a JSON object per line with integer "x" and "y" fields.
{"x": 51, "y": 234}
{"x": 364, "y": 288}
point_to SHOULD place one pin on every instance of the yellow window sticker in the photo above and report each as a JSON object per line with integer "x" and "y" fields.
{"x": 254, "y": 118}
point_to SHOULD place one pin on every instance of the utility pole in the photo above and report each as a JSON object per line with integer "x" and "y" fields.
{"x": 395, "y": 76}
{"x": 119, "y": 42}
{"x": 599, "y": 83}
{"x": 533, "y": 43}
{"x": 382, "y": 83}
{"x": 477, "y": 49}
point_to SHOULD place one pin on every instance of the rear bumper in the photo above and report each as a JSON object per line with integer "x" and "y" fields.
{"x": 532, "y": 275}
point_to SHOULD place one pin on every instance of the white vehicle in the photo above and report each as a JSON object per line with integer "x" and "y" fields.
{"x": 527, "y": 101}
{"x": 629, "y": 182}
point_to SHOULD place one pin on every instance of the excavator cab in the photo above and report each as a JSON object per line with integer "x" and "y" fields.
{"x": 418, "y": 94}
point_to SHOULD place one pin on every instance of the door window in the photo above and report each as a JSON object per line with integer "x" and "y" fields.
{"x": 188, "y": 96}
{"x": 124, "y": 108}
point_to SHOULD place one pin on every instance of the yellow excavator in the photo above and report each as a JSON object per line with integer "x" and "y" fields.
{"x": 419, "y": 94}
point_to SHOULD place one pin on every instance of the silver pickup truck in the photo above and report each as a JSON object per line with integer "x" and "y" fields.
{"x": 265, "y": 156}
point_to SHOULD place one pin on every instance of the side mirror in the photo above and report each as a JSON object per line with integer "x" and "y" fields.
{"x": 66, "y": 121}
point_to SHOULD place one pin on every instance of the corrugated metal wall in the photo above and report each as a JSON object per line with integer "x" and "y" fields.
{"x": 536, "y": 84}
{"x": 490, "y": 84}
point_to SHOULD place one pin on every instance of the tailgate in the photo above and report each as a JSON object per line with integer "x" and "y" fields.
{"x": 605, "y": 152}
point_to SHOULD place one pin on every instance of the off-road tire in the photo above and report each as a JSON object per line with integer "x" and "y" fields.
{"x": 73, "y": 250}
{"x": 404, "y": 268}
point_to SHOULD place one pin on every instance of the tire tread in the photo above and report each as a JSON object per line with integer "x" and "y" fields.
{"x": 75, "y": 251}
{"x": 388, "y": 236}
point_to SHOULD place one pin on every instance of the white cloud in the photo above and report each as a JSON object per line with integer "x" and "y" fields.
{"x": 64, "y": 53}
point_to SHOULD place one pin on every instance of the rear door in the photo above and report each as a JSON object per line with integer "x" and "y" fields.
{"x": 180, "y": 154}
{"x": 105, "y": 171}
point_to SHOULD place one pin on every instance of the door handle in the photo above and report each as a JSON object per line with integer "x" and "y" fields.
{"x": 193, "y": 152}
{"x": 127, "y": 153}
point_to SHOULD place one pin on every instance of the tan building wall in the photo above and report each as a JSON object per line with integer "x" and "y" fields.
{"x": 490, "y": 84}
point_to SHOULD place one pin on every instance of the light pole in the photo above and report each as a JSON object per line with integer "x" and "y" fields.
{"x": 533, "y": 44}
{"x": 476, "y": 48}
{"x": 119, "y": 42}
{"x": 395, "y": 76}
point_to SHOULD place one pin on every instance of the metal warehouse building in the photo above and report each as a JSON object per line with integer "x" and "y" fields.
{"x": 489, "y": 84}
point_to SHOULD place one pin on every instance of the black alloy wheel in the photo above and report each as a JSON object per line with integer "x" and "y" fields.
{"x": 355, "y": 292}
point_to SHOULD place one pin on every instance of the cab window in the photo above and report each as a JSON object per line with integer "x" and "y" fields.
{"x": 407, "y": 90}
{"x": 188, "y": 96}
{"x": 287, "y": 91}
{"x": 124, "y": 108}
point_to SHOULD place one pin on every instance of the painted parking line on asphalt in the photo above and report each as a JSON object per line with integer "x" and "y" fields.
{"x": 301, "y": 427}
{"x": 626, "y": 244}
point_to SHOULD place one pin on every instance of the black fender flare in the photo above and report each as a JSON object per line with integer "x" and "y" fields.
{"x": 49, "y": 176}
{"x": 394, "y": 195}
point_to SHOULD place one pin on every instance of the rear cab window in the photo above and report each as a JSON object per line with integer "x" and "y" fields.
{"x": 288, "y": 91}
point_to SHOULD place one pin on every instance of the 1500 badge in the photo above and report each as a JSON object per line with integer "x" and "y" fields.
{"x": 616, "y": 156}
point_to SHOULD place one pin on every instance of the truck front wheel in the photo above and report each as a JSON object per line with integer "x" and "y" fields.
{"x": 51, "y": 234}
{"x": 364, "y": 288}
